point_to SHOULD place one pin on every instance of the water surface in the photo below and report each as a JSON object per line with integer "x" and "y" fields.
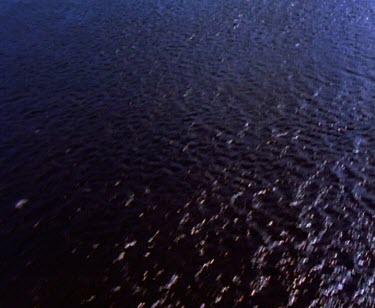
{"x": 187, "y": 153}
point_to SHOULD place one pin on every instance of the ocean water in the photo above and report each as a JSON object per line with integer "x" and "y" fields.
{"x": 211, "y": 153}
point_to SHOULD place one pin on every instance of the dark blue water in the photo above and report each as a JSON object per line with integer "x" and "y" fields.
{"x": 187, "y": 153}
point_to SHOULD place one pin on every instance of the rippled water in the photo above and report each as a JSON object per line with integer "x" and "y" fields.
{"x": 198, "y": 153}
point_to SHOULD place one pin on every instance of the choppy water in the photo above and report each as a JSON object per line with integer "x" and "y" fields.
{"x": 175, "y": 152}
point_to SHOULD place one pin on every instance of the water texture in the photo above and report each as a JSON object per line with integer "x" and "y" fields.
{"x": 210, "y": 153}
